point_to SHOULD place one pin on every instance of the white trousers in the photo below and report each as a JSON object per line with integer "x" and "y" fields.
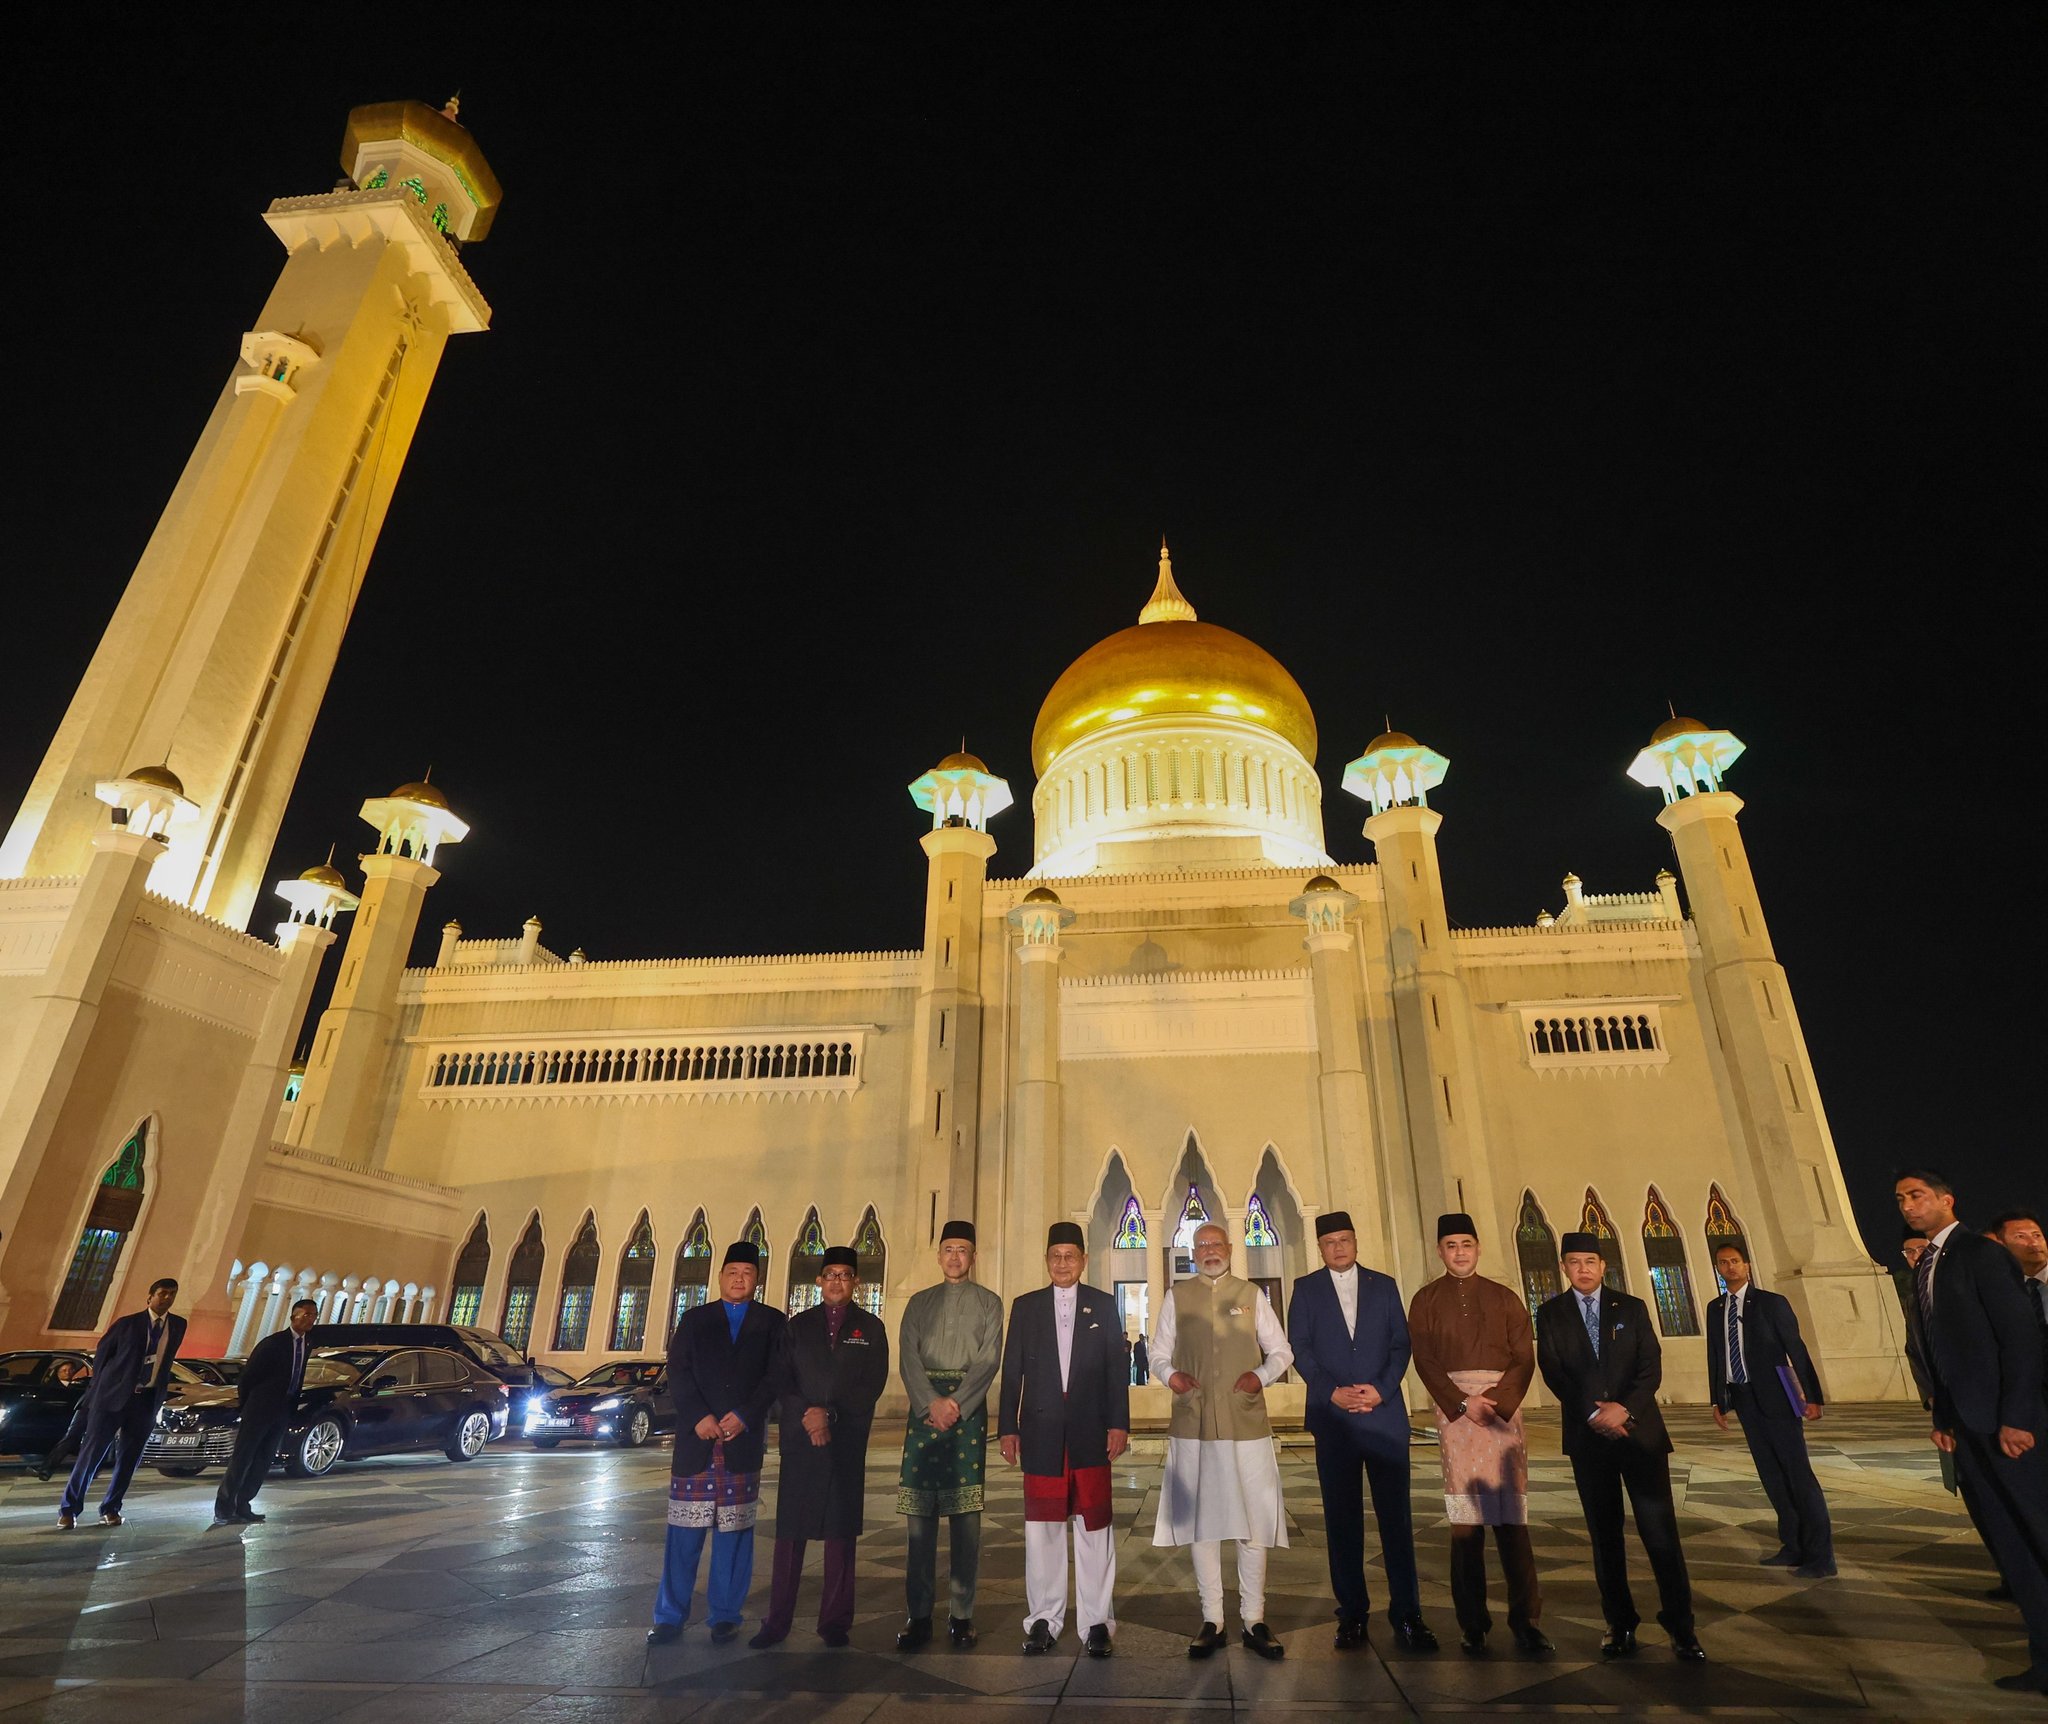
{"x": 1251, "y": 1579}
{"x": 1045, "y": 1575}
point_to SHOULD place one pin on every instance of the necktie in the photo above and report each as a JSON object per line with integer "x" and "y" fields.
{"x": 156, "y": 1341}
{"x": 1738, "y": 1371}
{"x": 1923, "y": 1290}
{"x": 1589, "y": 1307}
{"x": 298, "y": 1363}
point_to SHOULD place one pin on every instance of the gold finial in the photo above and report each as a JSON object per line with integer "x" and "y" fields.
{"x": 453, "y": 108}
{"x": 330, "y": 855}
{"x": 1166, "y": 604}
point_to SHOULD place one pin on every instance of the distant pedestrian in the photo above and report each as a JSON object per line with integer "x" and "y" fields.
{"x": 1141, "y": 1362}
{"x": 268, "y": 1393}
{"x": 70, "y": 1375}
{"x": 131, "y": 1374}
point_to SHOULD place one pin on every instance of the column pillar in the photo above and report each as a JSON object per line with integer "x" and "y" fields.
{"x": 1034, "y": 1146}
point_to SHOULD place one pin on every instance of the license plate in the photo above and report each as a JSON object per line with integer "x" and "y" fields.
{"x": 559, "y": 1424}
{"x": 181, "y": 1439}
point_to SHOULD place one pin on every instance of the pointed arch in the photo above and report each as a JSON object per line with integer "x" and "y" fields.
{"x": 112, "y": 1218}
{"x": 755, "y": 1233}
{"x": 1276, "y": 1232}
{"x": 873, "y": 1252}
{"x": 1117, "y": 1233}
{"x": 472, "y": 1265}
{"x": 1723, "y": 1228}
{"x": 1670, "y": 1279}
{"x": 806, "y": 1263}
{"x": 579, "y": 1288}
{"x": 1193, "y": 1196}
{"x": 1536, "y": 1253}
{"x": 693, "y": 1269}
{"x": 1594, "y": 1219}
{"x": 636, "y": 1288}
{"x": 1130, "y": 1227}
{"x": 522, "y": 1284}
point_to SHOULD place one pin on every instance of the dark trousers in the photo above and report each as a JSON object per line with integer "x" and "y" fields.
{"x": 1345, "y": 1469}
{"x": 69, "y": 1443}
{"x": 2012, "y": 1510}
{"x": 128, "y": 1427}
{"x": 1778, "y": 1446}
{"x": 1468, "y": 1577}
{"x": 920, "y": 1575}
{"x": 1602, "y": 1476}
{"x": 256, "y": 1443}
{"x": 835, "y": 1604}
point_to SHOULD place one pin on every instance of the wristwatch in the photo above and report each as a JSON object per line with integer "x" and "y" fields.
{"x": 1460, "y": 1413}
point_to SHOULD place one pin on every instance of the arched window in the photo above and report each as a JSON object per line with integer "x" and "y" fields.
{"x": 116, "y": 1202}
{"x": 416, "y": 186}
{"x": 1258, "y": 1225}
{"x": 522, "y": 1285}
{"x": 693, "y": 1270}
{"x": 756, "y": 1235}
{"x": 579, "y": 1287}
{"x": 1192, "y": 1215}
{"x": 1536, "y": 1252}
{"x": 1724, "y": 1229}
{"x": 377, "y": 181}
{"x": 1670, "y": 1280}
{"x": 1130, "y": 1227}
{"x": 806, "y": 1264}
{"x": 466, "y": 1303}
{"x": 1593, "y": 1219}
{"x": 636, "y": 1289}
{"x": 874, "y": 1262}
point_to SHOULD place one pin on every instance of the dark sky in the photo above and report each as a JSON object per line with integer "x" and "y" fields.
{"x": 1507, "y": 370}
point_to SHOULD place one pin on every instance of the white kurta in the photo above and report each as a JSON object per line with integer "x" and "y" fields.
{"x": 1218, "y": 1490}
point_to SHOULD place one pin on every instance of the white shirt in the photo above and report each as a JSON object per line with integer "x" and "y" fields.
{"x": 1065, "y": 1302}
{"x": 1272, "y": 1341}
{"x": 1346, "y": 1283}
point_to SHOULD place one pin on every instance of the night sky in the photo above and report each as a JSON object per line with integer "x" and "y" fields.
{"x": 1509, "y": 371}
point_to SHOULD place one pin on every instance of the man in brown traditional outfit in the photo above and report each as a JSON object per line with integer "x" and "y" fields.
{"x": 1475, "y": 1352}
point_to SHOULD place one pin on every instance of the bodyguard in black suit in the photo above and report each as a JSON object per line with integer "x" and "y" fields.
{"x": 1975, "y": 1336}
{"x": 268, "y": 1393}
{"x": 1598, "y": 1352}
{"x": 1751, "y": 1336}
{"x": 131, "y": 1373}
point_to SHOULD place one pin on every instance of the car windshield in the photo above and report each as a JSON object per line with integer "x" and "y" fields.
{"x": 185, "y": 1373}
{"x": 623, "y": 1375}
{"x": 355, "y": 1359}
{"x": 492, "y": 1349}
{"x": 328, "y": 1373}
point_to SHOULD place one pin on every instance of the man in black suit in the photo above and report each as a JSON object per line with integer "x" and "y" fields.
{"x": 1976, "y": 1338}
{"x": 1598, "y": 1352}
{"x": 268, "y": 1393}
{"x": 1752, "y": 1340}
{"x": 1065, "y": 1411}
{"x": 131, "y": 1374}
{"x": 830, "y": 1371}
{"x": 2019, "y": 1231}
{"x": 721, "y": 1368}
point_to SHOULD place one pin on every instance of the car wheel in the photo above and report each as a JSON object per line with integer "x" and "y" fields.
{"x": 315, "y": 1454}
{"x": 635, "y": 1430}
{"x": 181, "y": 1472}
{"x": 545, "y": 1442}
{"x": 470, "y": 1435}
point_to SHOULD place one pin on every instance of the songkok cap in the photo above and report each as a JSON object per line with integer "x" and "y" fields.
{"x": 742, "y": 1251}
{"x": 957, "y": 1230}
{"x": 1446, "y": 1225}
{"x": 1065, "y": 1233}
{"x": 1581, "y": 1242}
{"x": 841, "y": 1257}
{"x": 1333, "y": 1221}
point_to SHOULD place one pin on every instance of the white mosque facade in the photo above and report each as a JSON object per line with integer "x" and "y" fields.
{"x": 1182, "y": 1010}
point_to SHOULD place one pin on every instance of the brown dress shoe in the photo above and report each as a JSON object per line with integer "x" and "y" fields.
{"x": 111, "y": 1518}
{"x": 65, "y": 1521}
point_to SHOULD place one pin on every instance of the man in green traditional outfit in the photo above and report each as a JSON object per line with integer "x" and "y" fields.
{"x": 950, "y": 1343}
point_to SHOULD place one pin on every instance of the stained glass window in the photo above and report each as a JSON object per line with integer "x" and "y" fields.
{"x": 1593, "y": 1219}
{"x": 471, "y": 1267}
{"x": 377, "y": 181}
{"x": 579, "y": 1288}
{"x": 522, "y": 1285}
{"x": 1536, "y": 1252}
{"x": 116, "y": 1202}
{"x": 636, "y": 1286}
{"x": 440, "y": 217}
{"x": 1670, "y": 1280}
{"x": 1724, "y": 1229}
{"x": 1192, "y": 1216}
{"x": 756, "y": 1235}
{"x": 416, "y": 186}
{"x": 873, "y": 1254}
{"x": 1130, "y": 1228}
{"x": 693, "y": 1269}
{"x": 806, "y": 1264}
{"x": 1258, "y": 1225}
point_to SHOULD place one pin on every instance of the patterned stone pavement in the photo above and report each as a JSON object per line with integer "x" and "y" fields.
{"x": 519, "y": 1586}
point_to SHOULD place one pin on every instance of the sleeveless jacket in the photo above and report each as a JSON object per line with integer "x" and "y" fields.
{"x": 1215, "y": 1340}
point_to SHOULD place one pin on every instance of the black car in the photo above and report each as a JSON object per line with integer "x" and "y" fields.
{"x": 624, "y": 1402}
{"x": 40, "y": 1389}
{"x": 355, "y": 1401}
{"x": 492, "y": 1353}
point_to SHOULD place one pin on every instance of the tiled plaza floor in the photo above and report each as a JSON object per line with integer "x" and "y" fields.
{"x": 520, "y": 1585}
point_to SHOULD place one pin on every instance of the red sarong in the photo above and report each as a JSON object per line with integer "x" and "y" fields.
{"x": 1082, "y": 1491}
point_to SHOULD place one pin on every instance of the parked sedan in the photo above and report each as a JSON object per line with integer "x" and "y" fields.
{"x": 625, "y": 1402}
{"x": 40, "y": 1389}
{"x": 355, "y": 1401}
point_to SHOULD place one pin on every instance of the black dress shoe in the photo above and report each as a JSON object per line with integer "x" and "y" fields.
{"x": 1474, "y": 1642}
{"x": 724, "y": 1633}
{"x": 916, "y": 1632}
{"x": 766, "y": 1638}
{"x": 1687, "y": 1646}
{"x": 1620, "y": 1643}
{"x": 1097, "y": 1645}
{"x": 1038, "y": 1638}
{"x": 834, "y": 1637}
{"x": 1209, "y": 1640}
{"x": 1815, "y": 1571}
{"x": 2001, "y": 1592}
{"x": 42, "y": 1471}
{"x": 1415, "y": 1635}
{"x": 1351, "y": 1633}
{"x": 960, "y": 1631}
{"x": 2034, "y": 1681}
{"x": 1779, "y": 1559}
{"x": 659, "y": 1635}
{"x": 1533, "y": 1642}
{"x": 249, "y": 1517}
{"x": 1259, "y": 1638}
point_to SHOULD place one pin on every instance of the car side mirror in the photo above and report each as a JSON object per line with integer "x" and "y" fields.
{"x": 379, "y": 1384}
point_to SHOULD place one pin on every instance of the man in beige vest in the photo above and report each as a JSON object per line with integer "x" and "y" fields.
{"x": 1217, "y": 1346}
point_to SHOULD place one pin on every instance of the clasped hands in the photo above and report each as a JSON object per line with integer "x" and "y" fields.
{"x": 711, "y": 1430}
{"x": 943, "y": 1414}
{"x": 1610, "y": 1419}
{"x": 818, "y": 1422}
{"x": 1355, "y": 1397}
{"x": 1247, "y": 1384}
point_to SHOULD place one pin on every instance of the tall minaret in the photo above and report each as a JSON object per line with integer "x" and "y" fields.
{"x": 220, "y": 650}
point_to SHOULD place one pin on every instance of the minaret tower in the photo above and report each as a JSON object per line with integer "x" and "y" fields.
{"x": 961, "y": 795}
{"x": 220, "y": 650}
{"x": 339, "y": 1101}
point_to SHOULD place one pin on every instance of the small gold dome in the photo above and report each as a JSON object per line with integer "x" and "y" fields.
{"x": 1391, "y": 739}
{"x": 962, "y": 762}
{"x": 1322, "y": 883}
{"x": 1041, "y": 895}
{"x": 160, "y": 776}
{"x": 322, "y": 875}
{"x": 426, "y": 793}
{"x": 1676, "y": 726}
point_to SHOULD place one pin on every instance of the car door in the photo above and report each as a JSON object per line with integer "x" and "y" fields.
{"x": 32, "y": 1413}
{"x": 661, "y": 1402}
{"x": 390, "y": 1406}
{"x": 443, "y": 1395}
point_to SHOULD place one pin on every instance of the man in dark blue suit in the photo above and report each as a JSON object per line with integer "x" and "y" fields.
{"x": 1350, "y": 1338}
{"x": 1973, "y": 1334}
{"x": 1752, "y": 1339}
{"x": 267, "y": 1394}
{"x": 131, "y": 1374}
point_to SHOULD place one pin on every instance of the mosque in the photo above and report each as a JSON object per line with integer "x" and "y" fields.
{"x": 1182, "y": 1010}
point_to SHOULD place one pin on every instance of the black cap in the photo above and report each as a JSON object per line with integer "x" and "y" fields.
{"x": 840, "y": 1257}
{"x": 1581, "y": 1242}
{"x": 742, "y": 1251}
{"x": 1446, "y": 1225}
{"x": 1334, "y": 1221}
{"x": 1066, "y": 1233}
{"x": 957, "y": 1230}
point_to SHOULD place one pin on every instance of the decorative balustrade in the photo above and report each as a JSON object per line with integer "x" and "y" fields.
{"x": 787, "y": 1062}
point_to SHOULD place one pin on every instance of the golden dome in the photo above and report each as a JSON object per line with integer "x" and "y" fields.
{"x": 322, "y": 875}
{"x": 1171, "y": 666}
{"x": 1391, "y": 739}
{"x": 160, "y": 776}
{"x": 426, "y": 793}
{"x": 1322, "y": 883}
{"x": 1676, "y": 726}
{"x": 1041, "y": 895}
{"x": 961, "y": 762}
{"x": 431, "y": 129}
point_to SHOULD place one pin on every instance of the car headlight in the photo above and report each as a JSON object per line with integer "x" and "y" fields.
{"x": 610, "y": 1404}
